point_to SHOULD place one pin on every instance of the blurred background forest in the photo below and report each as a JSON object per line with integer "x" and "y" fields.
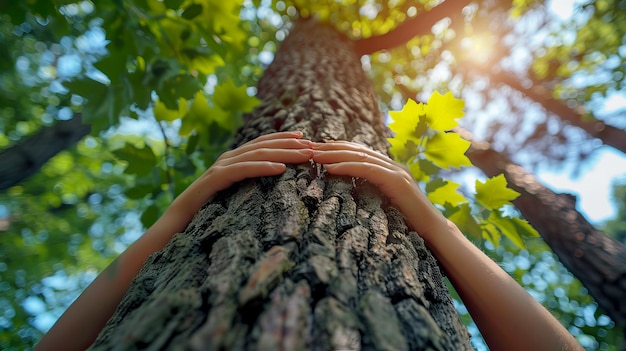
{"x": 109, "y": 109}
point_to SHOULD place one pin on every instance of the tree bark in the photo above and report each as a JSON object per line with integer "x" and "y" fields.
{"x": 300, "y": 261}
{"x": 596, "y": 259}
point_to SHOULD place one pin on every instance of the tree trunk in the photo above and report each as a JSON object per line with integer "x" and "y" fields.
{"x": 596, "y": 259}
{"x": 26, "y": 158}
{"x": 300, "y": 261}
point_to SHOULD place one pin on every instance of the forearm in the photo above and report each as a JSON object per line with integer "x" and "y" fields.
{"x": 79, "y": 326}
{"x": 508, "y": 317}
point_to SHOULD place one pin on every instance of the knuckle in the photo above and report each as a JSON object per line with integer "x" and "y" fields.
{"x": 363, "y": 156}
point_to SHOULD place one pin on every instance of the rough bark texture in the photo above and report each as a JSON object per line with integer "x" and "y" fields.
{"x": 301, "y": 261}
{"x": 26, "y": 158}
{"x": 596, "y": 259}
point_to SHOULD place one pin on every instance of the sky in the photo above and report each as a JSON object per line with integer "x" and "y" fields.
{"x": 593, "y": 188}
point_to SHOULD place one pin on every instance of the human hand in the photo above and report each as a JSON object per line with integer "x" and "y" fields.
{"x": 393, "y": 179}
{"x": 263, "y": 156}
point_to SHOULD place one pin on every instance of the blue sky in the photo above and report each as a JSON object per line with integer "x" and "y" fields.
{"x": 593, "y": 188}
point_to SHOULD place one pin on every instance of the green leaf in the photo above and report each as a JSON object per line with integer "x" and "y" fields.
{"x": 447, "y": 150}
{"x": 494, "y": 193}
{"x": 192, "y": 11}
{"x": 139, "y": 191}
{"x": 434, "y": 184}
{"x": 203, "y": 60}
{"x": 162, "y": 113}
{"x": 463, "y": 218}
{"x": 402, "y": 150}
{"x": 524, "y": 228}
{"x": 405, "y": 122}
{"x": 197, "y": 116}
{"x": 150, "y": 215}
{"x": 192, "y": 144}
{"x": 173, "y": 4}
{"x": 140, "y": 161}
{"x": 104, "y": 103}
{"x": 443, "y": 110}
{"x": 506, "y": 226}
{"x": 491, "y": 233}
{"x": 226, "y": 120}
{"x": 181, "y": 86}
{"x": 229, "y": 97}
{"x": 422, "y": 169}
{"x": 447, "y": 193}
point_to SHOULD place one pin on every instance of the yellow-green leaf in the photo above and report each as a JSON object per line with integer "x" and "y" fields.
{"x": 162, "y": 113}
{"x": 232, "y": 98}
{"x": 443, "y": 110}
{"x": 402, "y": 150}
{"x": 494, "y": 193}
{"x": 227, "y": 120}
{"x": 140, "y": 161}
{"x": 462, "y": 216}
{"x": 446, "y": 193}
{"x": 491, "y": 233}
{"x": 447, "y": 150}
{"x": 418, "y": 173}
{"x": 197, "y": 116}
{"x": 405, "y": 122}
{"x": 506, "y": 226}
{"x": 524, "y": 228}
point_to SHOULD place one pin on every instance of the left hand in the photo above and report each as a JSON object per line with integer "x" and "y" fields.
{"x": 263, "y": 156}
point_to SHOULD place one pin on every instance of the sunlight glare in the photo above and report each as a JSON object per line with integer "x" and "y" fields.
{"x": 561, "y": 9}
{"x": 478, "y": 48}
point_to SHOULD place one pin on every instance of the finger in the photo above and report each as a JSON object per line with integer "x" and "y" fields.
{"x": 395, "y": 184}
{"x": 346, "y": 145}
{"x": 227, "y": 175}
{"x": 283, "y": 143}
{"x": 362, "y": 156}
{"x": 221, "y": 177}
{"x": 279, "y": 135}
{"x": 374, "y": 173}
{"x": 292, "y": 156}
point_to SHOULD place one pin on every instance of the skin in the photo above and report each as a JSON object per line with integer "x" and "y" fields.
{"x": 79, "y": 326}
{"x": 507, "y": 316}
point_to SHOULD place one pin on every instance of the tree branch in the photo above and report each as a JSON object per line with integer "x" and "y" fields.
{"x": 26, "y": 158}
{"x": 408, "y": 29}
{"x": 609, "y": 135}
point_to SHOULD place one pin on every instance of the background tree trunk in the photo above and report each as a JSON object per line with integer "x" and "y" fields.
{"x": 300, "y": 261}
{"x": 596, "y": 259}
{"x": 26, "y": 158}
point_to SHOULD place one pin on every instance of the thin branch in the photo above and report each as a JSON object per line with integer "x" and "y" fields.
{"x": 409, "y": 29}
{"x": 576, "y": 116}
{"x": 168, "y": 169}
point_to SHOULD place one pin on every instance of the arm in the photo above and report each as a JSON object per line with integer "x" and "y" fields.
{"x": 507, "y": 316}
{"x": 79, "y": 326}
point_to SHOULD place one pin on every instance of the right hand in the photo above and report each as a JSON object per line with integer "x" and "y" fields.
{"x": 393, "y": 179}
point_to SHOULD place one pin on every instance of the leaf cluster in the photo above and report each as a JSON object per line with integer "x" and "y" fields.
{"x": 425, "y": 141}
